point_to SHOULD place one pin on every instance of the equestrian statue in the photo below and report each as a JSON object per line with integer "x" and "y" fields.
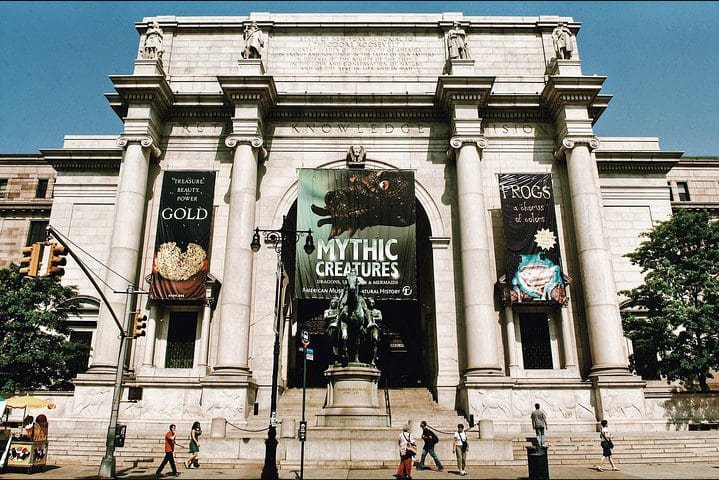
{"x": 353, "y": 324}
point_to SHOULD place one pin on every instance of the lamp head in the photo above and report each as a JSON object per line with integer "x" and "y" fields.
{"x": 309, "y": 244}
{"x": 255, "y": 244}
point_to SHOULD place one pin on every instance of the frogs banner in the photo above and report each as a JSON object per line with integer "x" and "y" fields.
{"x": 180, "y": 261}
{"x": 361, "y": 219}
{"x": 530, "y": 233}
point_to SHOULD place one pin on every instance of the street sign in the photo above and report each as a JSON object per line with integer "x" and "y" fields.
{"x": 302, "y": 434}
{"x": 305, "y": 338}
{"x": 310, "y": 354}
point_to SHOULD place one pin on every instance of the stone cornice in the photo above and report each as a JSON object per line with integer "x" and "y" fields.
{"x": 467, "y": 90}
{"x": 142, "y": 89}
{"x": 565, "y": 90}
{"x": 571, "y": 141}
{"x": 25, "y": 207}
{"x": 319, "y": 114}
{"x": 83, "y": 159}
{"x": 625, "y": 165}
{"x": 711, "y": 207}
{"x": 253, "y": 89}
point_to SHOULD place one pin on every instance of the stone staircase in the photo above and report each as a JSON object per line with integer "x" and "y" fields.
{"x": 377, "y": 447}
{"x": 649, "y": 447}
{"x": 407, "y": 405}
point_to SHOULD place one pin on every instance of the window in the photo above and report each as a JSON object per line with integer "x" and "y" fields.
{"x": 3, "y": 187}
{"x": 536, "y": 346}
{"x": 41, "y": 190}
{"x": 181, "y": 331}
{"x": 83, "y": 338}
{"x": 671, "y": 192}
{"x": 683, "y": 191}
{"x": 37, "y": 232}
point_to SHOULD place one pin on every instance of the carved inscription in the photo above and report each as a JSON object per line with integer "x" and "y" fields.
{"x": 358, "y": 55}
{"x": 515, "y": 129}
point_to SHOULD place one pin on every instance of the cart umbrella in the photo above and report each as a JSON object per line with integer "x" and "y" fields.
{"x": 28, "y": 401}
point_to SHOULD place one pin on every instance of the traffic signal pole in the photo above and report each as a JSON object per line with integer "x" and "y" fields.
{"x": 107, "y": 466}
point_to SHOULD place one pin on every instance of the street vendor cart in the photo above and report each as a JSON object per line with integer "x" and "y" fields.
{"x": 27, "y": 446}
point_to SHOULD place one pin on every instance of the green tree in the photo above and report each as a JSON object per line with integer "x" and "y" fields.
{"x": 678, "y": 331}
{"x": 35, "y": 351}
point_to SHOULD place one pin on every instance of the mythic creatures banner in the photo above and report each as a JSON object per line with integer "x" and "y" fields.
{"x": 180, "y": 263}
{"x": 530, "y": 233}
{"x": 363, "y": 219}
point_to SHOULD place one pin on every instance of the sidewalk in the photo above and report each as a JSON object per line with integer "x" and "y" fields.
{"x": 651, "y": 471}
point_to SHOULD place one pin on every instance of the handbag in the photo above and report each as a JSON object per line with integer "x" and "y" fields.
{"x": 607, "y": 444}
{"x": 410, "y": 448}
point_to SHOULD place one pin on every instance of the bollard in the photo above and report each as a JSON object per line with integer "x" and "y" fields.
{"x": 538, "y": 463}
{"x": 218, "y": 427}
{"x": 486, "y": 429}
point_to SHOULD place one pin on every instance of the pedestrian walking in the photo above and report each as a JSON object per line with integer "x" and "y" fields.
{"x": 195, "y": 432}
{"x": 407, "y": 450}
{"x": 430, "y": 440}
{"x": 607, "y": 445}
{"x": 460, "y": 447}
{"x": 169, "y": 453}
{"x": 539, "y": 423}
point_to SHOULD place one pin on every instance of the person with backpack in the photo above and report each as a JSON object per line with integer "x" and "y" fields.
{"x": 430, "y": 440}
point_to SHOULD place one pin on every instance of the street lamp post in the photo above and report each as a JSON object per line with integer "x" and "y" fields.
{"x": 277, "y": 237}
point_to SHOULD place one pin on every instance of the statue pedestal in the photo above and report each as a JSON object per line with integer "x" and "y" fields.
{"x": 559, "y": 66}
{"x": 461, "y": 66}
{"x": 352, "y": 398}
{"x": 250, "y": 66}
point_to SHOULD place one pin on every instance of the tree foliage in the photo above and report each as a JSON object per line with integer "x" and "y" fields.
{"x": 679, "y": 322}
{"x": 35, "y": 351}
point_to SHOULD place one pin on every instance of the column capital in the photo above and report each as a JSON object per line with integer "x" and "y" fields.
{"x": 571, "y": 141}
{"x": 146, "y": 141}
{"x": 458, "y": 141}
{"x": 233, "y": 140}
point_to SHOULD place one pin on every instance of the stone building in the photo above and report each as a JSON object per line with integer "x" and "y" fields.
{"x": 312, "y": 87}
{"x": 26, "y": 183}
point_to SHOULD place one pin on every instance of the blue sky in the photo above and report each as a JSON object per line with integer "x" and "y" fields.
{"x": 661, "y": 60}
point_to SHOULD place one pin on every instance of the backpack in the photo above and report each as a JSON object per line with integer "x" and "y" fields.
{"x": 434, "y": 438}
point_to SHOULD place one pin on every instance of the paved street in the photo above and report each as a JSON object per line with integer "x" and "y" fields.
{"x": 653, "y": 471}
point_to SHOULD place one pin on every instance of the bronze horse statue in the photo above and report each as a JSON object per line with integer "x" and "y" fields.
{"x": 352, "y": 319}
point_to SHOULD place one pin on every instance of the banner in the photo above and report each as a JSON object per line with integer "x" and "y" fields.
{"x": 530, "y": 233}
{"x": 180, "y": 262}
{"x": 362, "y": 219}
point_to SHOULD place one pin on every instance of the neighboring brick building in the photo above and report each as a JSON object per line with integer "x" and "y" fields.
{"x": 26, "y": 186}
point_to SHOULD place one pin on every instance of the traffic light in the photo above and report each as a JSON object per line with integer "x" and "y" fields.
{"x": 140, "y": 325}
{"x": 56, "y": 261}
{"x": 30, "y": 260}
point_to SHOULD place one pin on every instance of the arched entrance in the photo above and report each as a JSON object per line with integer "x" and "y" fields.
{"x": 408, "y": 353}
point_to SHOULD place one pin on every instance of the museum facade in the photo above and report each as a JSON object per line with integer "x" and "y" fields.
{"x": 497, "y": 281}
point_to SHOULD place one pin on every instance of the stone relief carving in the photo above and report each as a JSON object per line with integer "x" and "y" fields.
{"x": 152, "y": 48}
{"x": 92, "y": 403}
{"x": 562, "y": 41}
{"x": 457, "y": 42}
{"x": 522, "y": 404}
{"x": 224, "y": 403}
{"x": 356, "y": 155}
{"x": 622, "y": 404}
{"x": 492, "y": 405}
{"x": 254, "y": 42}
